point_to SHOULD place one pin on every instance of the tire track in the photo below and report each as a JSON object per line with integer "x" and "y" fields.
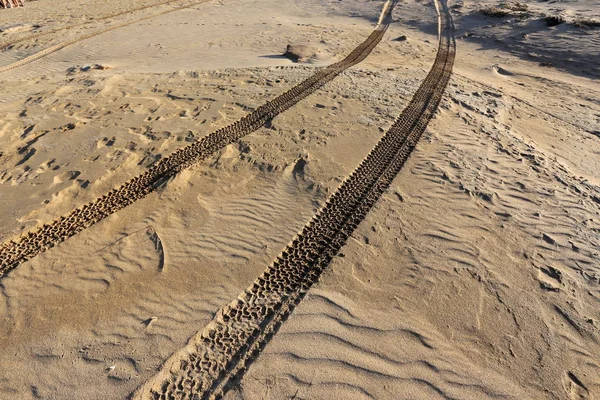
{"x": 8, "y": 44}
{"x": 14, "y": 253}
{"x": 224, "y": 349}
{"x": 55, "y": 48}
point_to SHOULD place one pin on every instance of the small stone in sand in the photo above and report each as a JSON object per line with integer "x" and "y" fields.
{"x": 301, "y": 52}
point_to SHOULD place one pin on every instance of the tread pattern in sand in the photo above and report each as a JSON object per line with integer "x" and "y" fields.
{"x": 13, "y": 42}
{"x": 49, "y": 235}
{"x": 55, "y": 48}
{"x": 226, "y": 347}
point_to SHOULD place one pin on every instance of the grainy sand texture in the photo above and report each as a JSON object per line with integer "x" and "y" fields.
{"x": 300, "y": 199}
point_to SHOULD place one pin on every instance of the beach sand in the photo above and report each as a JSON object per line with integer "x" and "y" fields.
{"x": 475, "y": 276}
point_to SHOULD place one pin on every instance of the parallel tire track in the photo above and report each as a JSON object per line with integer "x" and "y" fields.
{"x": 14, "y": 253}
{"x": 223, "y": 350}
{"x": 55, "y": 48}
{"x": 109, "y": 16}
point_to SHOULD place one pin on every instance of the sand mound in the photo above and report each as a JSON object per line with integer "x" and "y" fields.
{"x": 304, "y": 53}
{"x": 18, "y": 28}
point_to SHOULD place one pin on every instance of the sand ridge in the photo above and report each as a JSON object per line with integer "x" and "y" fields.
{"x": 224, "y": 349}
{"x": 14, "y": 253}
{"x": 473, "y": 276}
{"x": 62, "y": 45}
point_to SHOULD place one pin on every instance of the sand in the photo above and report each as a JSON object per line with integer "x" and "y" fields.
{"x": 476, "y": 275}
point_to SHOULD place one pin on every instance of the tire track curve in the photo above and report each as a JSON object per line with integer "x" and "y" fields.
{"x": 11, "y": 43}
{"x": 14, "y": 253}
{"x": 55, "y": 48}
{"x": 211, "y": 362}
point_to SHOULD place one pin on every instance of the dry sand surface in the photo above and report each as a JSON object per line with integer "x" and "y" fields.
{"x": 475, "y": 276}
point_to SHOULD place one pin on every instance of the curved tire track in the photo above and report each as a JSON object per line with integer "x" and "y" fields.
{"x": 14, "y": 253}
{"x": 8, "y": 44}
{"x": 55, "y": 48}
{"x": 224, "y": 349}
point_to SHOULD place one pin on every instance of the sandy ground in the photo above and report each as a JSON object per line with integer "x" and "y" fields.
{"x": 477, "y": 275}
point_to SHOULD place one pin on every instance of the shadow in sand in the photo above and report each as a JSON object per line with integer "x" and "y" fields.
{"x": 426, "y": 26}
{"x": 275, "y": 57}
{"x": 565, "y": 46}
{"x": 372, "y": 19}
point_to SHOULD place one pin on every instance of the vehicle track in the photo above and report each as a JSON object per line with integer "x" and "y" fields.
{"x": 55, "y": 48}
{"x": 11, "y": 43}
{"x": 224, "y": 349}
{"x": 14, "y": 253}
